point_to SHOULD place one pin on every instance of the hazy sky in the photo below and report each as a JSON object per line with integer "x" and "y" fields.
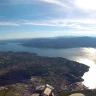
{"x": 47, "y": 18}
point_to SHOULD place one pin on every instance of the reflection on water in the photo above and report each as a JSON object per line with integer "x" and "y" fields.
{"x": 82, "y": 55}
{"x": 89, "y": 59}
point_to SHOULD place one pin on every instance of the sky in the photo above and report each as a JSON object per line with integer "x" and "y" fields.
{"x": 47, "y": 18}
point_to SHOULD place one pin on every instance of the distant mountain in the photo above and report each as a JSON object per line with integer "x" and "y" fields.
{"x": 14, "y": 41}
{"x": 61, "y": 42}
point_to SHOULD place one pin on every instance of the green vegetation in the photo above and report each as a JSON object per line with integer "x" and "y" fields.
{"x": 6, "y": 93}
{"x": 11, "y": 91}
{"x": 20, "y": 67}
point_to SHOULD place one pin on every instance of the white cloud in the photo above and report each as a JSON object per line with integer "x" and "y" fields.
{"x": 57, "y": 2}
{"x": 80, "y": 24}
{"x": 59, "y": 24}
{"x": 86, "y": 4}
{"x": 73, "y": 8}
{"x": 9, "y": 24}
{"x": 85, "y": 24}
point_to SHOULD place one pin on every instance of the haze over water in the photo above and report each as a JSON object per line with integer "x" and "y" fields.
{"x": 86, "y": 56}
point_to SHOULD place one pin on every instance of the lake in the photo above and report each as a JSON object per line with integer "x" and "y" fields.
{"x": 86, "y": 56}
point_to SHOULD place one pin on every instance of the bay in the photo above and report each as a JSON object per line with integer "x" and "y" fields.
{"x": 86, "y": 56}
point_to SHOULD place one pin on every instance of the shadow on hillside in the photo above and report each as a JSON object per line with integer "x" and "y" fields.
{"x": 14, "y": 77}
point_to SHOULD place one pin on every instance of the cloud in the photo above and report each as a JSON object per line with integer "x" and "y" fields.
{"x": 65, "y": 16}
{"x": 74, "y": 18}
{"x": 57, "y": 2}
{"x": 86, "y": 4}
{"x": 85, "y": 24}
{"x": 80, "y": 24}
{"x": 9, "y": 24}
{"x": 73, "y": 8}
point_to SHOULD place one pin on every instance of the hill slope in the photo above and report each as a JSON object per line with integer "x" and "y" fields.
{"x": 64, "y": 42}
{"x": 21, "y": 67}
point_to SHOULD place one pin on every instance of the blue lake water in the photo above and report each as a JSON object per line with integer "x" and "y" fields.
{"x": 86, "y": 56}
